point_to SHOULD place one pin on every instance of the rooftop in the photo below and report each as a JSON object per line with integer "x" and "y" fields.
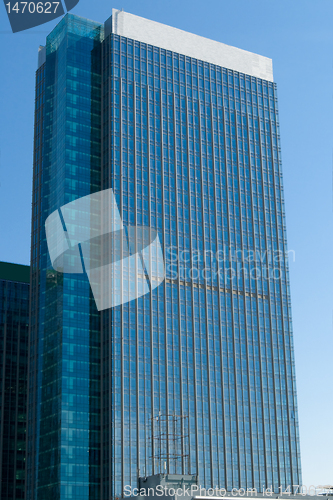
{"x": 14, "y": 272}
{"x": 160, "y": 35}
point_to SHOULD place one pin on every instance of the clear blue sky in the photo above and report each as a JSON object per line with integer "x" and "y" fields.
{"x": 298, "y": 36}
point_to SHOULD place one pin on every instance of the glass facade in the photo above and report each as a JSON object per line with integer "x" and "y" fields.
{"x": 191, "y": 150}
{"x": 195, "y": 154}
{"x": 14, "y": 328}
{"x": 64, "y": 375}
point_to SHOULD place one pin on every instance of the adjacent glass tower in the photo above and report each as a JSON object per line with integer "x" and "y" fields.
{"x": 64, "y": 370}
{"x": 185, "y": 131}
{"x": 14, "y": 328}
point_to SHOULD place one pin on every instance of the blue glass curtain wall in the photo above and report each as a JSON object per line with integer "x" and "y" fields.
{"x": 192, "y": 150}
{"x": 64, "y": 443}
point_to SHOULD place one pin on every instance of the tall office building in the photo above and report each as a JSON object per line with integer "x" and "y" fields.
{"x": 14, "y": 328}
{"x": 185, "y": 132}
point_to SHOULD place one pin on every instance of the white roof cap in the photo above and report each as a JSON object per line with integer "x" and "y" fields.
{"x": 188, "y": 44}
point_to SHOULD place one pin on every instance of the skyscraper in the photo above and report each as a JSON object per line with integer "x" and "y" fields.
{"x": 14, "y": 317}
{"x": 64, "y": 372}
{"x": 185, "y": 132}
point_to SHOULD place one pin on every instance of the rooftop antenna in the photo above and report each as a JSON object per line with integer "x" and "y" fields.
{"x": 168, "y": 438}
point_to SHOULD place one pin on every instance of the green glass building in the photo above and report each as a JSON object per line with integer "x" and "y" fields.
{"x": 185, "y": 132}
{"x": 14, "y": 329}
{"x": 64, "y": 374}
